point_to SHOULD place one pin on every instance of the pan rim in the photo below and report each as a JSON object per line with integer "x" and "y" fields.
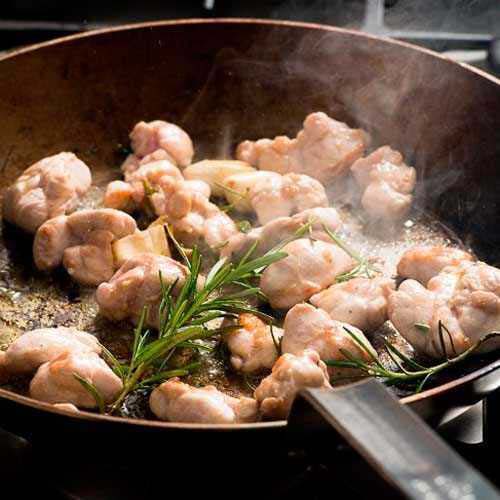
{"x": 88, "y": 416}
{"x": 242, "y": 20}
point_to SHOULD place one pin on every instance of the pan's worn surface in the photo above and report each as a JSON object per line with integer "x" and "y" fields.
{"x": 225, "y": 81}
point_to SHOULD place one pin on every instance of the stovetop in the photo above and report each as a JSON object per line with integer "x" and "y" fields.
{"x": 307, "y": 472}
{"x": 465, "y": 30}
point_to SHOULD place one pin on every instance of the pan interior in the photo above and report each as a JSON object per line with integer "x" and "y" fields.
{"x": 31, "y": 299}
{"x": 244, "y": 84}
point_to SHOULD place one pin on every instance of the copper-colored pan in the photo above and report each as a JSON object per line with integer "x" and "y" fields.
{"x": 228, "y": 80}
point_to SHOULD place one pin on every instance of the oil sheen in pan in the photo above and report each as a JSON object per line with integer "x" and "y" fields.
{"x": 30, "y": 299}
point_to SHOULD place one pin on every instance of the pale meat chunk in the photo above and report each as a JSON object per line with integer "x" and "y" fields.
{"x": 252, "y": 346}
{"x": 146, "y": 138}
{"x": 285, "y": 195}
{"x": 194, "y": 219}
{"x": 82, "y": 243}
{"x": 176, "y": 401}
{"x": 51, "y": 187}
{"x": 387, "y": 184}
{"x": 133, "y": 162}
{"x": 276, "y": 393}
{"x": 309, "y": 328}
{"x": 324, "y": 149}
{"x": 132, "y": 194}
{"x": 278, "y": 230}
{"x": 362, "y": 302}
{"x": 464, "y": 297}
{"x": 424, "y": 262}
{"x": 309, "y": 267}
{"x": 56, "y": 382}
{"x": 137, "y": 284}
{"x": 36, "y": 347}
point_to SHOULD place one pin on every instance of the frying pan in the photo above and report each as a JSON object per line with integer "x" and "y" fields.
{"x": 225, "y": 81}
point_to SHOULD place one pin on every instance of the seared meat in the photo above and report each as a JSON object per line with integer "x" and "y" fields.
{"x": 139, "y": 185}
{"x": 146, "y": 138}
{"x": 137, "y": 284}
{"x": 309, "y": 328}
{"x": 194, "y": 220}
{"x": 178, "y": 402}
{"x": 50, "y": 187}
{"x": 133, "y": 162}
{"x": 387, "y": 183}
{"x": 309, "y": 267}
{"x": 425, "y": 262}
{"x": 252, "y": 346}
{"x": 285, "y": 195}
{"x": 120, "y": 196}
{"x": 290, "y": 374}
{"x": 271, "y": 195}
{"x": 464, "y": 297}
{"x": 36, "y": 347}
{"x": 362, "y": 302}
{"x": 280, "y": 229}
{"x": 150, "y": 186}
{"x": 55, "y": 381}
{"x": 82, "y": 243}
{"x": 323, "y": 149}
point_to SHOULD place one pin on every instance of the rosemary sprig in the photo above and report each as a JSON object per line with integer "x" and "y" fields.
{"x": 92, "y": 390}
{"x": 363, "y": 267}
{"x": 186, "y": 318}
{"x": 410, "y": 372}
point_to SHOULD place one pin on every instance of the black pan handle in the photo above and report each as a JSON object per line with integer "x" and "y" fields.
{"x": 400, "y": 446}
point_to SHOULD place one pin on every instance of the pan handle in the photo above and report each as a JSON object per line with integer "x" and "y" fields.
{"x": 403, "y": 449}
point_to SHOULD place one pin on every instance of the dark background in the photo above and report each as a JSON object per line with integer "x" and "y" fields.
{"x": 308, "y": 472}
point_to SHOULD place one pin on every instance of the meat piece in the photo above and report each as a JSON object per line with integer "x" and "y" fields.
{"x": 285, "y": 195}
{"x": 309, "y": 267}
{"x": 194, "y": 220}
{"x": 137, "y": 284}
{"x": 120, "y": 196}
{"x": 36, "y": 347}
{"x": 464, "y": 297}
{"x": 146, "y": 138}
{"x": 139, "y": 184}
{"x": 387, "y": 183}
{"x": 178, "y": 402}
{"x": 271, "y": 195}
{"x": 252, "y": 346}
{"x": 82, "y": 243}
{"x": 280, "y": 229}
{"x": 362, "y": 302}
{"x": 51, "y": 187}
{"x": 56, "y": 382}
{"x": 290, "y": 374}
{"x": 424, "y": 262}
{"x": 323, "y": 149}
{"x": 133, "y": 162}
{"x": 309, "y": 328}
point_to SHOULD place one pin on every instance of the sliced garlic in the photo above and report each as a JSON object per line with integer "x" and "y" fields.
{"x": 215, "y": 172}
{"x": 151, "y": 240}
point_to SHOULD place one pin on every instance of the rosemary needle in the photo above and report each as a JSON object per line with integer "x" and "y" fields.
{"x": 412, "y": 373}
{"x": 363, "y": 268}
{"x": 185, "y": 318}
